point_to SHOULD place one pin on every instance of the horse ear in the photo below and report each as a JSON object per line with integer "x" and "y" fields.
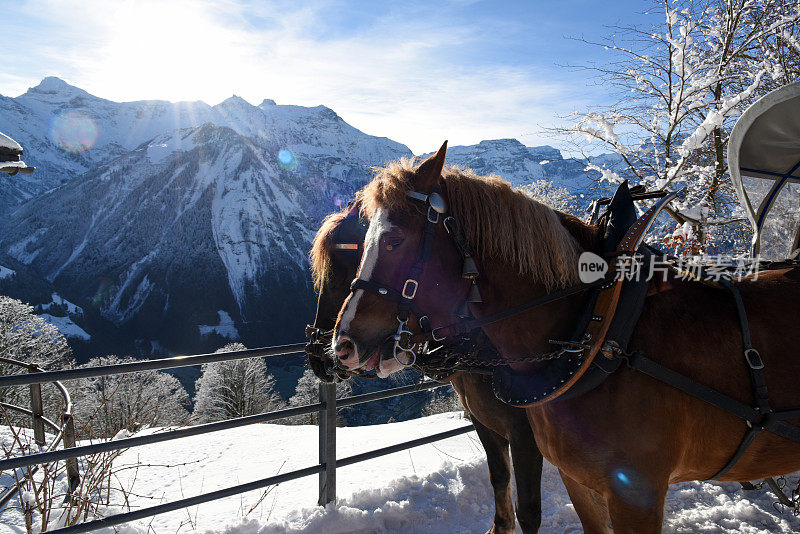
{"x": 428, "y": 174}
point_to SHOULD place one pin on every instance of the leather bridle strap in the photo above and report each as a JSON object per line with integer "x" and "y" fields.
{"x": 462, "y": 327}
{"x": 385, "y": 292}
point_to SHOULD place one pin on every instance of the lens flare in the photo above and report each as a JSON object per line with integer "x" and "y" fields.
{"x": 633, "y": 488}
{"x": 73, "y": 131}
{"x": 286, "y": 160}
{"x": 337, "y": 201}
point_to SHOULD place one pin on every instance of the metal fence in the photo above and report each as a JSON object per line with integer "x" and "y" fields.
{"x": 326, "y": 407}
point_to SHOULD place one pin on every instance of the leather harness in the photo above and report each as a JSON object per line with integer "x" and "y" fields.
{"x": 582, "y": 369}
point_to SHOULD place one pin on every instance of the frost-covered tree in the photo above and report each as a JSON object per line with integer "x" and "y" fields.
{"x": 556, "y": 197}
{"x": 104, "y": 405}
{"x": 235, "y": 388}
{"x": 28, "y": 338}
{"x": 307, "y": 392}
{"x": 680, "y": 86}
{"x": 443, "y": 402}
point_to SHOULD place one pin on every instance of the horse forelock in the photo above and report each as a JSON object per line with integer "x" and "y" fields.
{"x": 320, "y": 254}
{"x": 500, "y": 222}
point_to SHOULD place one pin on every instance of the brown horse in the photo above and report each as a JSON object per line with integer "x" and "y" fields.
{"x": 335, "y": 256}
{"x": 619, "y": 445}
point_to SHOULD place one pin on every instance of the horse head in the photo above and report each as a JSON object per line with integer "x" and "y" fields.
{"x": 334, "y": 257}
{"x": 398, "y": 276}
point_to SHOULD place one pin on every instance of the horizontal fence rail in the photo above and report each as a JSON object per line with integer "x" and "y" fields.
{"x": 149, "y": 365}
{"x": 326, "y": 468}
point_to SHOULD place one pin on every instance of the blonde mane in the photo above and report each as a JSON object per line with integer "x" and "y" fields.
{"x": 500, "y": 222}
{"x": 320, "y": 254}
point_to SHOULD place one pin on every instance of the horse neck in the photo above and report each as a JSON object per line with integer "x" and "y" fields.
{"x": 503, "y": 287}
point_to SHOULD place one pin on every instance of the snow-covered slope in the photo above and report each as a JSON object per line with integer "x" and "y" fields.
{"x": 441, "y": 488}
{"x": 196, "y": 221}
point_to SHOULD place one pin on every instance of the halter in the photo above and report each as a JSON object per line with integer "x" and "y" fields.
{"x": 405, "y": 340}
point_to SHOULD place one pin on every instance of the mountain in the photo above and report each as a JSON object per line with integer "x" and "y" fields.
{"x": 522, "y": 165}
{"x": 180, "y": 226}
{"x": 197, "y": 225}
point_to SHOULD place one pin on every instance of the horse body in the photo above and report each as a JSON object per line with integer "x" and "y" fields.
{"x": 620, "y": 445}
{"x": 500, "y": 427}
{"x": 632, "y": 436}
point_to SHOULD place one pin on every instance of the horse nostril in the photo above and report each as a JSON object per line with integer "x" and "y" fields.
{"x": 344, "y": 348}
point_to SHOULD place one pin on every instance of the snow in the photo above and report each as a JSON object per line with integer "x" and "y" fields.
{"x": 58, "y": 300}
{"x": 66, "y": 326}
{"x": 224, "y": 328}
{"x": 8, "y": 143}
{"x": 437, "y": 488}
{"x": 5, "y": 272}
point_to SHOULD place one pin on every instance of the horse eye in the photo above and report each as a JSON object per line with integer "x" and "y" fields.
{"x": 391, "y": 243}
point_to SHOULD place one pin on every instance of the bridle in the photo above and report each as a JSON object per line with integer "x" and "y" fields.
{"x": 406, "y": 341}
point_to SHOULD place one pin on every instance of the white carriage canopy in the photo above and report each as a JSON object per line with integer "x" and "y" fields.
{"x": 764, "y": 162}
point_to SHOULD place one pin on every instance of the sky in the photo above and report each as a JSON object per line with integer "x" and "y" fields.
{"x": 417, "y": 72}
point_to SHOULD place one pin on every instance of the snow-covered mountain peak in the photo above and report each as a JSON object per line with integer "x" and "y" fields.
{"x": 267, "y": 102}
{"x": 235, "y": 101}
{"x": 507, "y": 143}
{"x": 53, "y": 89}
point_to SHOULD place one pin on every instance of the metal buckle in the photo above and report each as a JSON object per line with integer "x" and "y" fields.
{"x": 433, "y": 218}
{"x": 406, "y": 290}
{"x": 398, "y": 345}
{"x": 753, "y": 359}
{"x": 433, "y": 334}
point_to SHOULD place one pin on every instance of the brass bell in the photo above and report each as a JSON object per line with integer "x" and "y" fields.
{"x": 469, "y": 270}
{"x": 463, "y": 311}
{"x": 474, "y": 294}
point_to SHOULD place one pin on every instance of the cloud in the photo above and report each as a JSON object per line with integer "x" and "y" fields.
{"x": 406, "y": 74}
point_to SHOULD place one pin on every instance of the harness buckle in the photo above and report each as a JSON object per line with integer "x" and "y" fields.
{"x": 753, "y": 359}
{"x": 410, "y": 293}
{"x": 433, "y": 215}
{"x": 399, "y": 348}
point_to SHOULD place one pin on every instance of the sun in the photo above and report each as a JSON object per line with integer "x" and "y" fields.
{"x": 170, "y": 50}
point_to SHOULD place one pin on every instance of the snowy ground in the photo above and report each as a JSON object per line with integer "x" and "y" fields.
{"x": 437, "y": 488}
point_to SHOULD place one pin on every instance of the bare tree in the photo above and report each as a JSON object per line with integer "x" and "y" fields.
{"x": 235, "y": 388}
{"x": 307, "y": 392}
{"x": 106, "y": 405}
{"x": 28, "y": 338}
{"x": 680, "y": 86}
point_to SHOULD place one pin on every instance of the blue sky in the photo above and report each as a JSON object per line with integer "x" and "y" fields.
{"x": 417, "y": 72}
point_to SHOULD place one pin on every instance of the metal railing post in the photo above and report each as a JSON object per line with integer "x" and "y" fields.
{"x": 37, "y": 408}
{"x": 73, "y": 474}
{"x": 327, "y": 443}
